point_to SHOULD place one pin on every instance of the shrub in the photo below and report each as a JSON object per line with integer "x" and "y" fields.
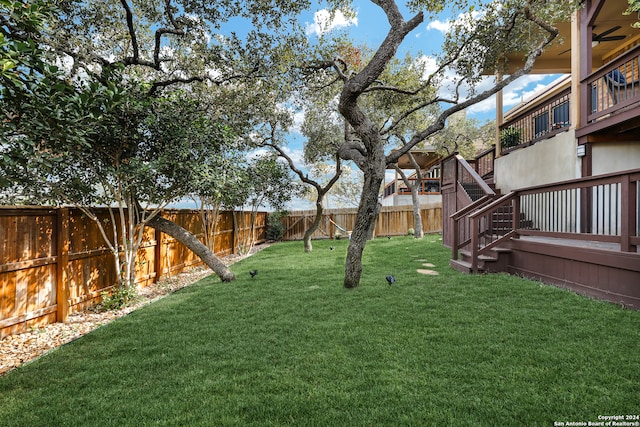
{"x": 275, "y": 229}
{"x": 122, "y": 296}
{"x": 510, "y": 137}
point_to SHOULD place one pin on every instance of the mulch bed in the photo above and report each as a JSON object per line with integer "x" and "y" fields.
{"x": 18, "y": 349}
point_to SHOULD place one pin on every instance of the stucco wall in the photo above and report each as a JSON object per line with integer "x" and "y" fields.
{"x": 548, "y": 161}
{"x": 615, "y": 157}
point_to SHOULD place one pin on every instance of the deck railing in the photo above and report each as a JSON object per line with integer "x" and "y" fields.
{"x": 484, "y": 162}
{"x": 471, "y": 193}
{"x": 541, "y": 122}
{"x": 429, "y": 186}
{"x": 613, "y": 87}
{"x": 600, "y": 209}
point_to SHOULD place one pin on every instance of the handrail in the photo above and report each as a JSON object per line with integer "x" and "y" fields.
{"x": 541, "y": 121}
{"x": 474, "y": 175}
{"x": 499, "y": 202}
{"x": 602, "y": 99}
{"x": 484, "y": 161}
{"x": 475, "y": 205}
{"x": 502, "y": 235}
{"x": 604, "y": 208}
{"x": 465, "y": 174}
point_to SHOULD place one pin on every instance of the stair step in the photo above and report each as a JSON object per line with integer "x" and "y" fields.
{"x": 462, "y": 266}
{"x": 490, "y": 262}
{"x": 500, "y": 249}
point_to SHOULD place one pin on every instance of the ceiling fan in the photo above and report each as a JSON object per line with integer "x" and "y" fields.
{"x": 604, "y": 36}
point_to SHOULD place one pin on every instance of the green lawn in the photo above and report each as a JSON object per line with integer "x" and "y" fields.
{"x": 292, "y": 347}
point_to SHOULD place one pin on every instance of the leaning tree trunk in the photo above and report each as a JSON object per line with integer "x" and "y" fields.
{"x": 367, "y": 214}
{"x": 189, "y": 240}
{"x": 308, "y": 247}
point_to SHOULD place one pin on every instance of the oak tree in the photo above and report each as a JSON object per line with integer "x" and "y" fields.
{"x": 475, "y": 46}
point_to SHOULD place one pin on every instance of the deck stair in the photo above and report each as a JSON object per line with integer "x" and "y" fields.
{"x": 582, "y": 234}
{"x": 495, "y": 262}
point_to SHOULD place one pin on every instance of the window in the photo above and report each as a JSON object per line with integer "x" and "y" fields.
{"x": 541, "y": 124}
{"x": 431, "y": 185}
{"x": 561, "y": 115}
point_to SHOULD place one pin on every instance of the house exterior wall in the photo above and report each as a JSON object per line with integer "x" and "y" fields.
{"x": 548, "y": 161}
{"x": 615, "y": 157}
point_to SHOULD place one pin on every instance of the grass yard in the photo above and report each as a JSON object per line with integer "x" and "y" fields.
{"x": 292, "y": 347}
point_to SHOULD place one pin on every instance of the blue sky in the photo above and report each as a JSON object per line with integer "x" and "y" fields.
{"x": 369, "y": 26}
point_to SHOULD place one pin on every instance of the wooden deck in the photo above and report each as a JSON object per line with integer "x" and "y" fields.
{"x": 592, "y": 268}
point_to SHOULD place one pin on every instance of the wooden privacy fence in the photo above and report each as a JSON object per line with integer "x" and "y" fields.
{"x": 392, "y": 221}
{"x": 54, "y": 261}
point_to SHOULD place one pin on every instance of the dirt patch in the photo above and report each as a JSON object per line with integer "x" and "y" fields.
{"x": 18, "y": 349}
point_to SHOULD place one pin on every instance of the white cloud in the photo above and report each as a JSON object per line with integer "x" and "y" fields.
{"x": 324, "y": 22}
{"x": 513, "y": 94}
{"x": 442, "y": 26}
{"x": 467, "y": 18}
{"x": 298, "y": 120}
{"x": 518, "y": 91}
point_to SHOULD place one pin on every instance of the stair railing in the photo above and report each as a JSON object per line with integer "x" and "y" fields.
{"x": 470, "y": 182}
{"x": 600, "y": 209}
{"x": 472, "y": 193}
{"x": 493, "y": 224}
{"x": 484, "y": 162}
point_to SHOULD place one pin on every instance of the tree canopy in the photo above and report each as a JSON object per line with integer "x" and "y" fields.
{"x": 141, "y": 95}
{"x": 475, "y": 45}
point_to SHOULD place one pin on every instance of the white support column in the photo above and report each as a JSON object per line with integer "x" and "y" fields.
{"x": 499, "y": 116}
{"x": 576, "y": 72}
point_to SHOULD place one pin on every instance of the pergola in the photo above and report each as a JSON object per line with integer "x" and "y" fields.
{"x": 426, "y": 158}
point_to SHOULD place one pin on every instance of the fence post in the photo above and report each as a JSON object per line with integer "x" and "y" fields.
{"x": 516, "y": 215}
{"x": 62, "y": 276}
{"x": 234, "y": 243}
{"x": 157, "y": 261}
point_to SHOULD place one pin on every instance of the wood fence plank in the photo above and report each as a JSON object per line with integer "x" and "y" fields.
{"x": 54, "y": 261}
{"x": 62, "y": 276}
{"x": 394, "y": 221}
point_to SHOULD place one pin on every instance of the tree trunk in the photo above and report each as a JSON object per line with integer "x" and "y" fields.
{"x": 372, "y": 227}
{"x": 308, "y": 247}
{"x": 189, "y": 240}
{"x": 367, "y": 214}
{"x": 417, "y": 218}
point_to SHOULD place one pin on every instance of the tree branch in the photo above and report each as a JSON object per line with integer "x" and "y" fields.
{"x": 529, "y": 62}
{"x": 160, "y": 32}
{"x": 384, "y": 87}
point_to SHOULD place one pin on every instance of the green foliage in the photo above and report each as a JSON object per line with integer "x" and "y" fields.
{"x": 411, "y": 232}
{"x": 510, "y": 137}
{"x": 270, "y": 182}
{"x": 463, "y": 135}
{"x": 118, "y": 298}
{"x": 634, "y": 7}
{"x": 275, "y": 229}
{"x": 20, "y": 52}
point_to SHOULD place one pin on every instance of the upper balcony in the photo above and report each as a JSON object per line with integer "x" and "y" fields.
{"x": 599, "y": 97}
